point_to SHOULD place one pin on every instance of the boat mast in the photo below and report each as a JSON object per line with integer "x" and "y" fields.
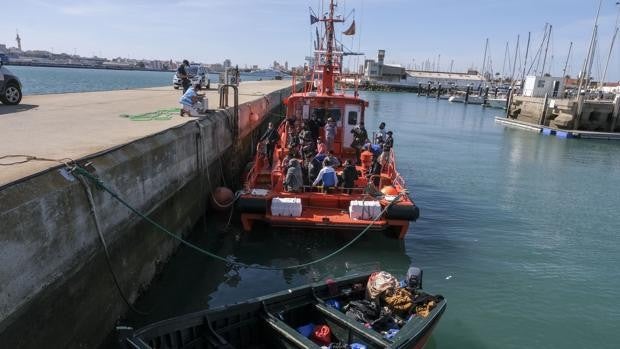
{"x": 542, "y": 73}
{"x": 570, "y": 48}
{"x": 611, "y": 49}
{"x": 514, "y": 63}
{"x": 527, "y": 51}
{"x": 328, "y": 68}
{"x": 484, "y": 60}
{"x": 585, "y": 74}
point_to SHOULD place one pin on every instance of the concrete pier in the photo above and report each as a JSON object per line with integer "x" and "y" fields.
{"x": 55, "y": 287}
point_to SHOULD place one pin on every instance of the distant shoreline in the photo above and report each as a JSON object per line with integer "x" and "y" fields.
{"x": 79, "y": 66}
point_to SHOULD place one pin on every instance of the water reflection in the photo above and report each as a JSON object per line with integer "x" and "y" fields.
{"x": 191, "y": 281}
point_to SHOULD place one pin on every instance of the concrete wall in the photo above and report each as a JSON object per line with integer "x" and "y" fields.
{"x": 560, "y": 113}
{"x": 55, "y": 287}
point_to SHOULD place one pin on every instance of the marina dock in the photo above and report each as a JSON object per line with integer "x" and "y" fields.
{"x": 54, "y": 267}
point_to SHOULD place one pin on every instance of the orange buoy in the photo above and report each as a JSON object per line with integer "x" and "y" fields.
{"x": 389, "y": 190}
{"x": 222, "y": 198}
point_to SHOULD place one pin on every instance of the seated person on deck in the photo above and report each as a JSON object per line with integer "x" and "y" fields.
{"x": 327, "y": 175}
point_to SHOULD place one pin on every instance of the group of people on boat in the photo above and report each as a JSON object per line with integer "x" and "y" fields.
{"x": 312, "y": 161}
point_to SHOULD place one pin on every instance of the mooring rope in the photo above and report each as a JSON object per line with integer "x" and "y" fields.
{"x": 108, "y": 259}
{"x": 99, "y": 184}
{"x": 73, "y": 167}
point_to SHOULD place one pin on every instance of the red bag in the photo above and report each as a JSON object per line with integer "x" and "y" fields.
{"x": 322, "y": 335}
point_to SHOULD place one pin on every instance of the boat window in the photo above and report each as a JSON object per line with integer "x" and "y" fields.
{"x": 352, "y": 118}
{"x": 322, "y": 114}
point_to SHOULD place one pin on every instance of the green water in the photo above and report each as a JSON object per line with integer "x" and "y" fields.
{"x": 518, "y": 231}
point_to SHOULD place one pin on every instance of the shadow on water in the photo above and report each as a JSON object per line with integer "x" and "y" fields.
{"x": 11, "y": 109}
{"x": 191, "y": 281}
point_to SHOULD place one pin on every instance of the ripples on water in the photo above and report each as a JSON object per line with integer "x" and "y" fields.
{"x": 518, "y": 231}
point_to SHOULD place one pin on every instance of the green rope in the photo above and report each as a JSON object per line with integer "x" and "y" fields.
{"x": 163, "y": 114}
{"x": 99, "y": 184}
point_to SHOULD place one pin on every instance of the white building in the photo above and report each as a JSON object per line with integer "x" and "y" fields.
{"x": 445, "y": 79}
{"x": 538, "y": 86}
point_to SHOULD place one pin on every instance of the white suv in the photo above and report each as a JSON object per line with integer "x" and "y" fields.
{"x": 197, "y": 75}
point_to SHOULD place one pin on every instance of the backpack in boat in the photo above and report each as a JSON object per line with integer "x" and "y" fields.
{"x": 363, "y": 311}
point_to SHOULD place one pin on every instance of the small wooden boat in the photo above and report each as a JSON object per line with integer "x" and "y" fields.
{"x": 273, "y": 321}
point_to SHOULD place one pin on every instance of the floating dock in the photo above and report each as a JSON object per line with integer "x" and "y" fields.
{"x": 53, "y": 272}
{"x": 549, "y": 131}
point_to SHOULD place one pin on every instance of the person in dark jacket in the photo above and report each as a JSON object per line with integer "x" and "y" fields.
{"x": 182, "y": 74}
{"x": 389, "y": 141}
{"x": 375, "y": 171}
{"x": 349, "y": 176}
{"x": 314, "y": 126}
{"x": 360, "y": 137}
{"x": 314, "y": 167}
{"x": 270, "y": 138}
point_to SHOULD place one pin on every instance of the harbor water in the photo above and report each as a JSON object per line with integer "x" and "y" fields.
{"x": 44, "y": 80}
{"x": 518, "y": 231}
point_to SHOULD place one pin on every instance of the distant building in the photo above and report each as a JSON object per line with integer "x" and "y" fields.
{"x": 445, "y": 79}
{"x": 3, "y": 49}
{"x": 538, "y": 86}
{"x": 378, "y": 70}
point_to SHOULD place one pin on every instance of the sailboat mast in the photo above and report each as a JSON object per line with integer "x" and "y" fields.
{"x": 484, "y": 60}
{"x": 585, "y": 75}
{"x": 527, "y": 51}
{"x": 570, "y": 49}
{"x": 514, "y": 63}
{"x": 611, "y": 48}
{"x": 542, "y": 72}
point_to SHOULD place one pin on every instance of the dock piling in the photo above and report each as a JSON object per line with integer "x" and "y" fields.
{"x": 467, "y": 94}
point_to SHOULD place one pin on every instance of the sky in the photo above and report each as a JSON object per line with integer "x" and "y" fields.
{"x": 260, "y": 31}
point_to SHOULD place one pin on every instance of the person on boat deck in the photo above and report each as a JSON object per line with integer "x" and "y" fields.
{"x": 330, "y": 133}
{"x": 314, "y": 126}
{"x": 320, "y": 156}
{"x": 389, "y": 141}
{"x": 349, "y": 176}
{"x": 314, "y": 167}
{"x": 190, "y": 101}
{"x": 375, "y": 171}
{"x": 320, "y": 146}
{"x": 327, "y": 176}
{"x": 333, "y": 160}
{"x": 360, "y": 137}
{"x": 384, "y": 159}
{"x": 380, "y": 134}
{"x": 375, "y": 149}
{"x": 270, "y": 138}
{"x": 305, "y": 136}
{"x": 294, "y": 178}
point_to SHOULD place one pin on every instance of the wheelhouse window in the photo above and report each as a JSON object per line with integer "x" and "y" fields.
{"x": 352, "y": 118}
{"x": 323, "y": 113}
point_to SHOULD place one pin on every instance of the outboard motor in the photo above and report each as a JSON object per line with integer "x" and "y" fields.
{"x": 414, "y": 278}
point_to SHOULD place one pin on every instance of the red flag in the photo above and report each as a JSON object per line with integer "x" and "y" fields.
{"x": 351, "y": 30}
